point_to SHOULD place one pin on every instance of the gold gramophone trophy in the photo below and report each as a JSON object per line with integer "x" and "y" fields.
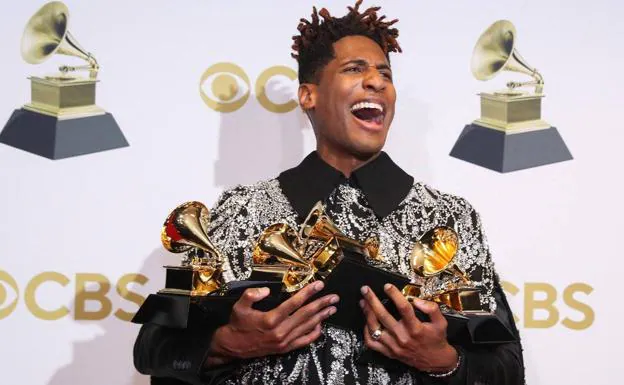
{"x": 186, "y": 231}
{"x": 198, "y": 281}
{"x": 318, "y": 226}
{"x": 277, "y": 257}
{"x": 280, "y": 255}
{"x": 510, "y": 134}
{"x": 435, "y": 254}
{"x": 62, "y": 119}
{"x": 459, "y": 299}
{"x": 312, "y": 253}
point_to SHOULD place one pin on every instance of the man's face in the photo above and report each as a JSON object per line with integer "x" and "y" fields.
{"x": 353, "y": 104}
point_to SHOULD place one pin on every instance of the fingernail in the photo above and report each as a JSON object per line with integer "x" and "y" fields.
{"x": 334, "y": 299}
{"x": 387, "y": 286}
{"x": 364, "y": 289}
{"x": 318, "y": 286}
{"x": 362, "y": 303}
{"x": 332, "y": 310}
{"x": 263, "y": 291}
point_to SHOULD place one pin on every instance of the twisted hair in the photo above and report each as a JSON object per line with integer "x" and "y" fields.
{"x": 314, "y": 45}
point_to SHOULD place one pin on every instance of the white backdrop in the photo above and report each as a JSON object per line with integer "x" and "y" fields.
{"x": 554, "y": 230}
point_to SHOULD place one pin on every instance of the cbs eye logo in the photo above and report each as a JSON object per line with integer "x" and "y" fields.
{"x": 5, "y": 278}
{"x": 225, "y": 87}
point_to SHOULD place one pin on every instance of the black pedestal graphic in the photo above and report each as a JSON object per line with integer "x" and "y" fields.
{"x": 55, "y": 138}
{"x": 498, "y": 151}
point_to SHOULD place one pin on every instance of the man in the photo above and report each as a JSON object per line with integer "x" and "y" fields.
{"x": 346, "y": 89}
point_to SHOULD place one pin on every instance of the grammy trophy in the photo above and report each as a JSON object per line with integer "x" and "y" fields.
{"x": 62, "y": 119}
{"x": 510, "y": 134}
{"x": 435, "y": 255}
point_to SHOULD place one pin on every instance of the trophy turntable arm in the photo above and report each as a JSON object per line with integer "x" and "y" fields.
{"x": 538, "y": 82}
{"x": 93, "y": 67}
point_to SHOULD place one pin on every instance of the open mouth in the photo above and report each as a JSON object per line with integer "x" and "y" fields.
{"x": 369, "y": 112}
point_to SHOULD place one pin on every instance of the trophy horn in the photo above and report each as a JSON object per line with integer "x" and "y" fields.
{"x": 186, "y": 227}
{"x": 435, "y": 253}
{"x": 278, "y": 242}
{"x": 47, "y": 33}
{"x": 276, "y": 257}
{"x": 319, "y": 226}
{"x": 496, "y": 51}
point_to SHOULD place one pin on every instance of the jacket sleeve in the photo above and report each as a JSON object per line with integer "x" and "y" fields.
{"x": 165, "y": 352}
{"x": 500, "y": 364}
{"x": 496, "y": 365}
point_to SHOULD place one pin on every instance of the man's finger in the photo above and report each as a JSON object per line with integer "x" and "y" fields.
{"x": 406, "y": 310}
{"x": 372, "y": 323}
{"x": 371, "y": 320}
{"x": 288, "y": 307}
{"x": 432, "y": 310}
{"x": 304, "y": 313}
{"x": 376, "y": 345}
{"x": 306, "y": 339}
{"x": 250, "y": 296}
{"x": 386, "y": 319}
{"x": 310, "y": 323}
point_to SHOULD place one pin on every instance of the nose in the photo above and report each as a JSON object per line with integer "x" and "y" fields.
{"x": 373, "y": 80}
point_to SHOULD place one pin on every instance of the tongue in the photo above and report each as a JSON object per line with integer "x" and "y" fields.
{"x": 368, "y": 114}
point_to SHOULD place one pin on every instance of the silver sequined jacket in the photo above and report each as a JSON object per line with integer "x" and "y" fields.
{"x": 240, "y": 216}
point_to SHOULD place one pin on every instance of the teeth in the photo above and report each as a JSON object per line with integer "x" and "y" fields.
{"x": 361, "y": 105}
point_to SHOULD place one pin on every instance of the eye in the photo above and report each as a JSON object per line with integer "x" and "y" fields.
{"x": 7, "y": 281}
{"x": 224, "y": 87}
{"x": 355, "y": 69}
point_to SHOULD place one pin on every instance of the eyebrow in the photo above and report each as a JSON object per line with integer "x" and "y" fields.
{"x": 363, "y": 62}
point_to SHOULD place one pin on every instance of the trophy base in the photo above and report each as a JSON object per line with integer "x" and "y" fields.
{"x": 504, "y": 152}
{"x": 56, "y": 138}
{"x": 346, "y": 280}
{"x": 190, "y": 280}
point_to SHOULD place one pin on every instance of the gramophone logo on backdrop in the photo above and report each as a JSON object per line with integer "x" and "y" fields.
{"x": 225, "y": 87}
{"x": 62, "y": 119}
{"x": 510, "y": 135}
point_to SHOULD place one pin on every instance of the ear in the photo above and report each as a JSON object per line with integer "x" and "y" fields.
{"x": 307, "y": 96}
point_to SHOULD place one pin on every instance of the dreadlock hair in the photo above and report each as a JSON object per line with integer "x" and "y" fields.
{"x": 314, "y": 45}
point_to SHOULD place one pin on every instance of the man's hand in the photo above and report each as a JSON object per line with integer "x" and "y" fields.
{"x": 422, "y": 345}
{"x": 252, "y": 333}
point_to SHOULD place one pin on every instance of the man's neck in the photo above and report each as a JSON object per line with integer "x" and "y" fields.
{"x": 343, "y": 162}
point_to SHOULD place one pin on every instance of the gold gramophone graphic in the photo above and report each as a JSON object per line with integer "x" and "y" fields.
{"x": 510, "y": 134}
{"x": 62, "y": 119}
{"x": 185, "y": 231}
{"x": 435, "y": 254}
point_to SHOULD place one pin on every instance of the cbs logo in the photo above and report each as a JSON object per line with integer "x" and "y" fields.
{"x": 83, "y": 293}
{"x": 225, "y": 87}
{"x": 542, "y": 306}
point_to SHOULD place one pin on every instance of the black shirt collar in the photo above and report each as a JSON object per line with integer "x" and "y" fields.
{"x": 383, "y": 183}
